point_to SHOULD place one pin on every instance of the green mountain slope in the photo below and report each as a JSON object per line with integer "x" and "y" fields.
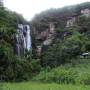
{"x": 76, "y": 73}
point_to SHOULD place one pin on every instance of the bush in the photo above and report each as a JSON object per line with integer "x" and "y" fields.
{"x": 59, "y": 75}
{"x": 61, "y": 53}
{"x": 84, "y": 79}
{"x": 67, "y": 74}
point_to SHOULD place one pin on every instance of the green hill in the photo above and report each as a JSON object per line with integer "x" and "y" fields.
{"x": 60, "y": 35}
{"x": 76, "y": 73}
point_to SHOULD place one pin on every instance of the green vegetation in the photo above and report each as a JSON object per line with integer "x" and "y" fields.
{"x": 12, "y": 67}
{"x": 62, "y": 61}
{"x": 63, "y": 48}
{"x": 65, "y": 51}
{"x": 67, "y": 74}
{"x": 61, "y": 64}
{"x": 40, "y": 86}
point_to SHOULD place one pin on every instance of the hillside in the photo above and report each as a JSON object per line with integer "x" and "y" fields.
{"x": 75, "y": 73}
{"x": 12, "y": 66}
{"x": 60, "y": 42}
{"x": 59, "y": 57}
{"x": 60, "y": 35}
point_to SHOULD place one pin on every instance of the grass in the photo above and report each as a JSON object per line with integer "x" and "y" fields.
{"x": 78, "y": 73}
{"x": 42, "y": 86}
{"x": 67, "y": 73}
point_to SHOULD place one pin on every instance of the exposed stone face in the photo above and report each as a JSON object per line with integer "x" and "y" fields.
{"x": 39, "y": 48}
{"x": 47, "y": 42}
{"x": 50, "y": 36}
{"x": 47, "y": 36}
{"x": 52, "y": 28}
{"x": 85, "y": 12}
{"x": 71, "y": 22}
{"x": 42, "y": 35}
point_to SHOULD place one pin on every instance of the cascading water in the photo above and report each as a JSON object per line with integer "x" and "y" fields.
{"x": 28, "y": 38}
{"x": 23, "y": 38}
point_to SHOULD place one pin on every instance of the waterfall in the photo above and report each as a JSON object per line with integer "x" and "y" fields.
{"x": 28, "y": 38}
{"x": 23, "y": 39}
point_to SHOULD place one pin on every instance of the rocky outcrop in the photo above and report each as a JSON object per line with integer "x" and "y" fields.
{"x": 71, "y": 22}
{"x": 46, "y": 37}
{"x": 85, "y": 12}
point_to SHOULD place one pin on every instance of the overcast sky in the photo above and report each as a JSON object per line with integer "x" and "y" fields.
{"x": 28, "y": 8}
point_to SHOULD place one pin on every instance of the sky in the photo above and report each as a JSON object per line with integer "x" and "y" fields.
{"x": 28, "y": 8}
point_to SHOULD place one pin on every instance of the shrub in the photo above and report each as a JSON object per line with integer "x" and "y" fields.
{"x": 59, "y": 75}
{"x": 67, "y": 74}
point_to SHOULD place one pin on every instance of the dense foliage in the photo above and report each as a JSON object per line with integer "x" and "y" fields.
{"x": 12, "y": 67}
{"x": 76, "y": 73}
{"x": 69, "y": 42}
{"x": 62, "y": 52}
{"x": 64, "y": 49}
{"x": 63, "y": 59}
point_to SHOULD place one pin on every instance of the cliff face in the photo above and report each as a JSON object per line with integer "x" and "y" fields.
{"x": 53, "y": 25}
{"x": 45, "y": 38}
